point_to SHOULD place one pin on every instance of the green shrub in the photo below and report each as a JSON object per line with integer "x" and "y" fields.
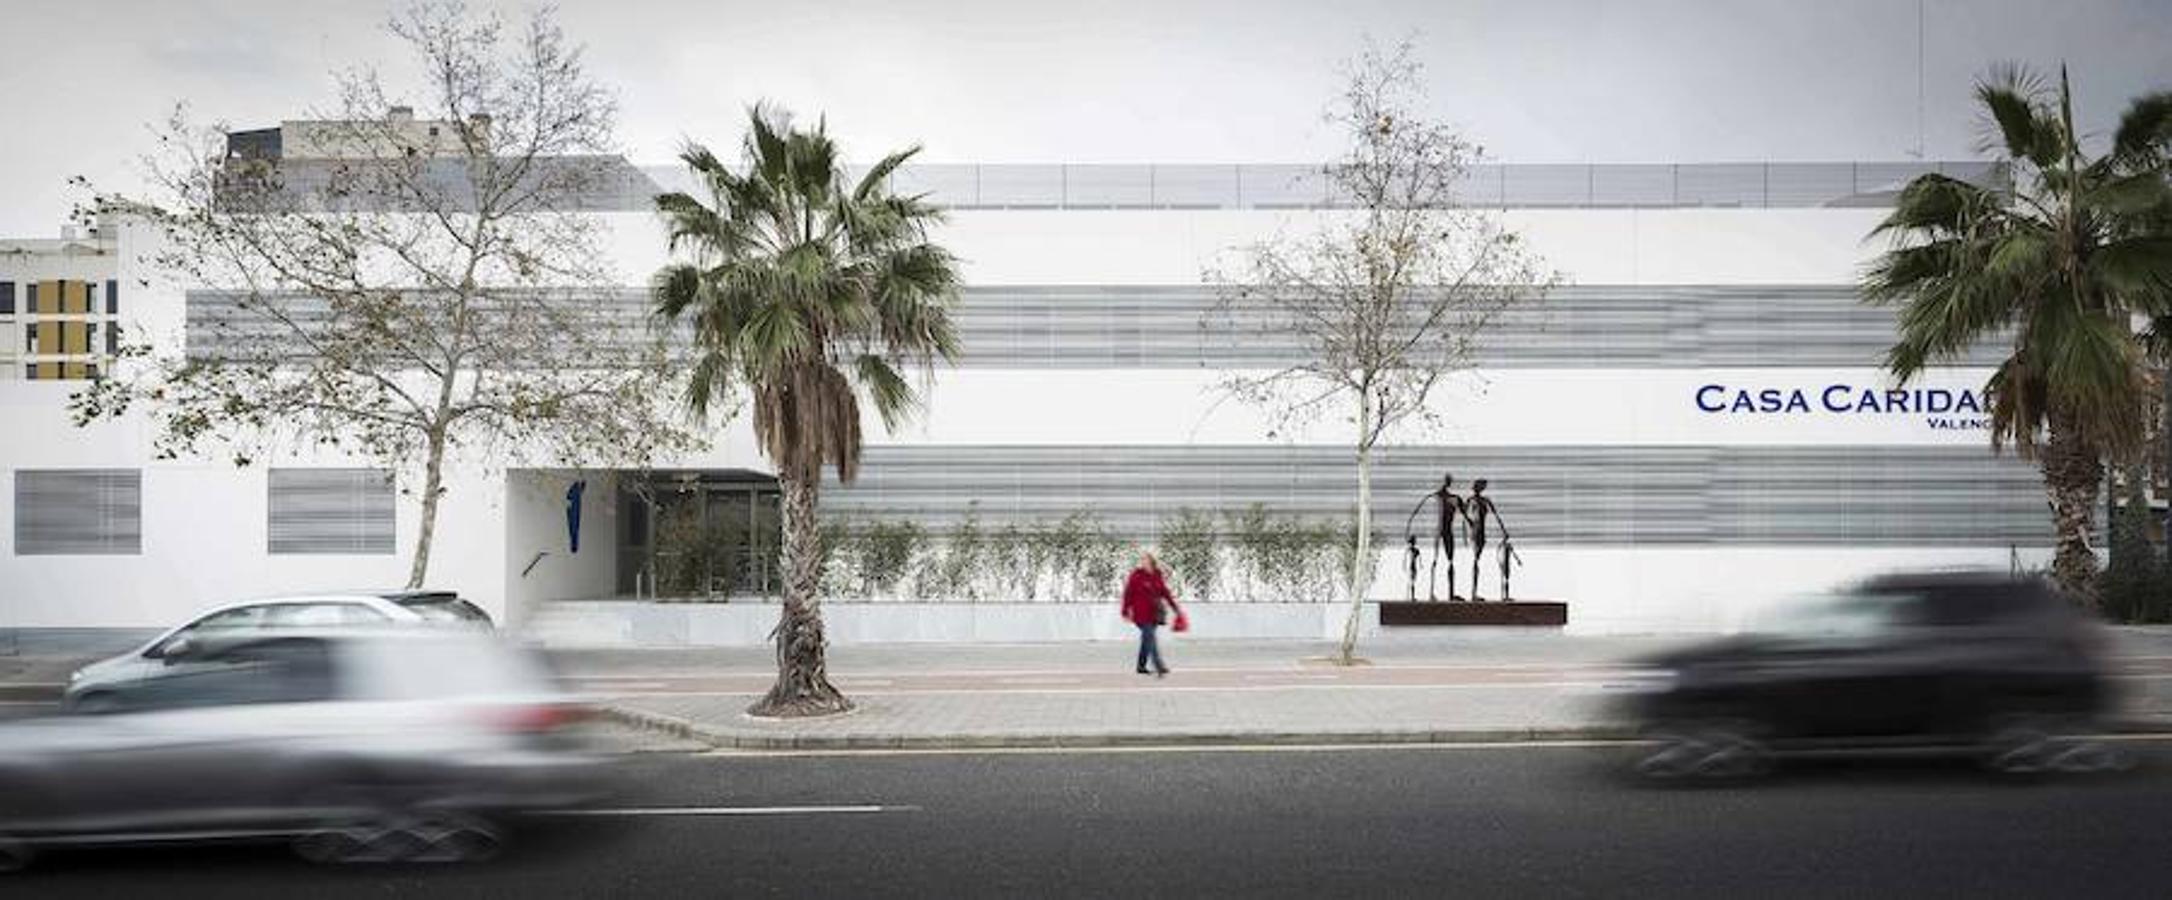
{"x": 835, "y": 552}
{"x": 888, "y": 554}
{"x": 2132, "y": 587}
{"x": 694, "y": 559}
{"x": 965, "y": 561}
{"x": 1193, "y": 554}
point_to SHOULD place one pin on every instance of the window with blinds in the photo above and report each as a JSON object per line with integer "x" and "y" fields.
{"x": 331, "y": 511}
{"x": 78, "y": 512}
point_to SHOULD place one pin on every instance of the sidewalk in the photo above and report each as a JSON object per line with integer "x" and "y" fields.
{"x": 1430, "y": 690}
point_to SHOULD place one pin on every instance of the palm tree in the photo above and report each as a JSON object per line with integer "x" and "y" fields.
{"x": 2062, "y": 256}
{"x": 809, "y": 293}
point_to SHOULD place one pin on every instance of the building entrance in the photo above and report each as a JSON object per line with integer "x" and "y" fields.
{"x": 699, "y": 533}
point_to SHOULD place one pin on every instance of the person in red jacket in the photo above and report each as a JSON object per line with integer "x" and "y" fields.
{"x": 1146, "y": 595}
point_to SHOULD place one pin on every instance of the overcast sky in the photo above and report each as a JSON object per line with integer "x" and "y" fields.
{"x": 1114, "y": 80}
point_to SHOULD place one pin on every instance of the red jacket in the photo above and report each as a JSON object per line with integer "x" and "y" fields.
{"x": 1144, "y": 594}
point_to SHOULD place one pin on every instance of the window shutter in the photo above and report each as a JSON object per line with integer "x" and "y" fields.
{"x": 331, "y": 511}
{"x": 78, "y": 512}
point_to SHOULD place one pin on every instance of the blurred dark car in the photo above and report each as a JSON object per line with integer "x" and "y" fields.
{"x": 356, "y": 745}
{"x": 2002, "y": 667}
{"x": 96, "y": 686}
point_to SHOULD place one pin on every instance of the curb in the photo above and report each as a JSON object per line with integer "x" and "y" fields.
{"x": 723, "y": 738}
{"x": 31, "y": 692}
{"x": 735, "y": 739}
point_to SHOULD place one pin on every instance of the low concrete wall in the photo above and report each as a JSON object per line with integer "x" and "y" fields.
{"x": 622, "y": 623}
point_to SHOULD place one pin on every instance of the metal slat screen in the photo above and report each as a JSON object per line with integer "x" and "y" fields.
{"x": 1561, "y": 495}
{"x": 331, "y": 511}
{"x": 1300, "y": 186}
{"x": 1176, "y": 327}
{"x": 65, "y": 512}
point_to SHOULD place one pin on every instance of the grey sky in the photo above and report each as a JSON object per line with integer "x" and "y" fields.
{"x": 1114, "y": 80}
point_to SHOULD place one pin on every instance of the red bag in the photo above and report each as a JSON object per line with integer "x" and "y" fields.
{"x": 1181, "y": 624}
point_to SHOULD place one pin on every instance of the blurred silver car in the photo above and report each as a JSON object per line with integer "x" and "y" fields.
{"x": 95, "y": 686}
{"x": 357, "y": 745}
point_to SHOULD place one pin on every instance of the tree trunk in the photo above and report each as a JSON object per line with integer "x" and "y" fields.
{"x": 803, "y": 683}
{"x": 1360, "y": 578}
{"x": 2072, "y": 475}
{"x": 433, "y": 484}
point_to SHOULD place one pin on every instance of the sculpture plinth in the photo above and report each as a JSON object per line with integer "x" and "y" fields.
{"x": 1516, "y": 613}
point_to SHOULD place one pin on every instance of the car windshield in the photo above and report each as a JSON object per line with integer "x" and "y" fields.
{"x": 1841, "y": 614}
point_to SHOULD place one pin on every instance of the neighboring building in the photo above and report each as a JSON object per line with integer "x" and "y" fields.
{"x": 1693, "y": 429}
{"x": 349, "y": 139}
{"x": 60, "y": 305}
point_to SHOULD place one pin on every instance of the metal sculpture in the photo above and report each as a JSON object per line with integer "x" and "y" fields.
{"x": 1478, "y": 511}
{"x": 1410, "y": 565}
{"x": 1449, "y": 508}
{"x": 1509, "y": 556}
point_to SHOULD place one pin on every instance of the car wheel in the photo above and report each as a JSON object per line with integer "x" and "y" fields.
{"x": 94, "y": 704}
{"x": 2037, "y": 745}
{"x": 402, "y": 836}
{"x": 457, "y": 837}
{"x": 1705, "y": 751}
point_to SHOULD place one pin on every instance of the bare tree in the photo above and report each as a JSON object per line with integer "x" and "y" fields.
{"x": 1386, "y": 298}
{"x": 404, "y": 287}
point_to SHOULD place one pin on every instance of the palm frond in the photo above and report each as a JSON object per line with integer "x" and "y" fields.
{"x": 892, "y": 395}
{"x": 2020, "y": 121}
{"x": 1938, "y": 204}
{"x": 2092, "y": 371}
{"x": 798, "y": 279}
{"x": 2138, "y": 270}
{"x": 2144, "y": 136}
{"x": 2140, "y": 193}
{"x": 875, "y": 181}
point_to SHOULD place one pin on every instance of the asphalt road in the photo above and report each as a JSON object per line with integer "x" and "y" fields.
{"x": 1429, "y": 821}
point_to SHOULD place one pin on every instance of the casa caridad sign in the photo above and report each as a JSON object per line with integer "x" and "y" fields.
{"x": 1940, "y": 408}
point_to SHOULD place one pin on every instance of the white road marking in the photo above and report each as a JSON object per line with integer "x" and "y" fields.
{"x": 1300, "y": 677}
{"x": 1037, "y": 680}
{"x": 736, "y": 811}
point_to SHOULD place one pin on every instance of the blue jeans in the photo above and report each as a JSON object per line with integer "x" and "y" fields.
{"x": 1148, "y": 649}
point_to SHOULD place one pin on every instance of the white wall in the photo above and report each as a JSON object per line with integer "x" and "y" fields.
{"x": 1149, "y": 247}
{"x": 204, "y": 521}
{"x": 1644, "y": 407}
{"x": 535, "y": 522}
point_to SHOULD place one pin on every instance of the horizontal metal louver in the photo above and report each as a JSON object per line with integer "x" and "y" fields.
{"x": 78, "y": 512}
{"x": 331, "y": 511}
{"x": 1175, "y": 327}
{"x": 1562, "y": 495}
{"x": 1298, "y": 186}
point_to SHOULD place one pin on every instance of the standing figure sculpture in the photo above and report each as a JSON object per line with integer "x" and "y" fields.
{"x": 1450, "y": 508}
{"x": 1477, "y": 511}
{"x": 1509, "y": 557}
{"x": 1410, "y": 564}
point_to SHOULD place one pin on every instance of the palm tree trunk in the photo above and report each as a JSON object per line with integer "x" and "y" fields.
{"x": 803, "y": 683}
{"x": 2072, "y": 475}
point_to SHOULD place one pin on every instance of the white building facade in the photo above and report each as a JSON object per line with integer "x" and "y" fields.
{"x": 1691, "y": 430}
